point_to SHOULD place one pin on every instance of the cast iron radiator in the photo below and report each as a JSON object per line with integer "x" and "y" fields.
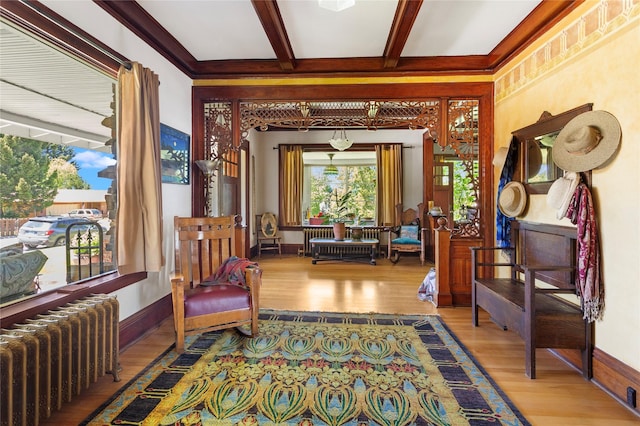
{"x": 327, "y": 232}
{"x": 53, "y": 357}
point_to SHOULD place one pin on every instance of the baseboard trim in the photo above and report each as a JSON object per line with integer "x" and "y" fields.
{"x": 144, "y": 321}
{"x": 614, "y": 376}
{"x": 610, "y": 374}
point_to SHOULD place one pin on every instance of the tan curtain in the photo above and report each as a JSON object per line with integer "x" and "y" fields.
{"x": 291, "y": 181}
{"x": 139, "y": 213}
{"x": 389, "y": 162}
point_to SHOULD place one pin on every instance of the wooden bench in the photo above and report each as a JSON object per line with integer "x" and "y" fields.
{"x": 542, "y": 263}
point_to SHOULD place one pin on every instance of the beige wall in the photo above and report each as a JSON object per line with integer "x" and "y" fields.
{"x": 576, "y": 64}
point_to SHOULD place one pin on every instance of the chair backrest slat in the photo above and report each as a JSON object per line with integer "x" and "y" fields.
{"x": 202, "y": 244}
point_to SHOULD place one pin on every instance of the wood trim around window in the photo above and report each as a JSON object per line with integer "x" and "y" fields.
{"x": 28, "y": 308}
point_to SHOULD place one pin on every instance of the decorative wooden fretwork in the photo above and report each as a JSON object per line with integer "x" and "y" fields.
{"x": 218, "y": 147}
{"x": 463, "y": 139}
{"x": 369, "y": 114}
{"x": 463, "y": 128}
{"x": 217, "y": 129}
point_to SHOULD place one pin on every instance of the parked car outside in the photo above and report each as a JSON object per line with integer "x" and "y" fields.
{"x": 88, "y": 213}
{"x": 48, "y": 231}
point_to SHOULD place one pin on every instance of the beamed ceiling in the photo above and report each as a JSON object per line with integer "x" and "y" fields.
{"x": 208, "y": 39}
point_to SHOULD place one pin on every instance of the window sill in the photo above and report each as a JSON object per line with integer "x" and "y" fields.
{"x": 108, "y": 283}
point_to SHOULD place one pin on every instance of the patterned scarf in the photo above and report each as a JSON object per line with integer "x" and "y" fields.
{"x": 590, "y": 290}
{"x": 503, "y": 223}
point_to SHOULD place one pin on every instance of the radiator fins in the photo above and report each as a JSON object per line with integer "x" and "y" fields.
{"x": 49, "y": 359}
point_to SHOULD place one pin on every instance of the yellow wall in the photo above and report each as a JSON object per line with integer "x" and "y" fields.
{"x": 592, "y": 56}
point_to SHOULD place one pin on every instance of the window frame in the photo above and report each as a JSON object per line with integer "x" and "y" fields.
{"x": 82, "y": 45}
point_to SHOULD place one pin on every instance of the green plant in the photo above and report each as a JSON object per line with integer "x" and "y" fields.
{"x": 85, "y": 243}
{"x": 338, "y": 206}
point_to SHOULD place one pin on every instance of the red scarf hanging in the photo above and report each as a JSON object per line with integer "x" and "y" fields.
{"x": 590, "y": 290}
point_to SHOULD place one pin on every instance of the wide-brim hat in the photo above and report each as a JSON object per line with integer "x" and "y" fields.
{"x": 587, "y": 141}
{"x": 513, "y": 199}
{"x": 561, "y": 192}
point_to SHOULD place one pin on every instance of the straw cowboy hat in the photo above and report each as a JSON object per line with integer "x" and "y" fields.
{"x": 513, "y": 199}
{"x": 587, "y": 141}
{"x": 561, "y": 192}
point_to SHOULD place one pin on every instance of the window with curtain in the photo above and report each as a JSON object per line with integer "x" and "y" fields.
{"x": 312, "y": 181}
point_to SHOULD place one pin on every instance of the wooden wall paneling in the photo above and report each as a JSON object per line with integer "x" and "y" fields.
{"x": 442, "y": 262}
{"x": 460, "y": 269}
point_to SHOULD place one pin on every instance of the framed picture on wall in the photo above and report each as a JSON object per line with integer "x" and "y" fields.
{"x": 174, "y": 155}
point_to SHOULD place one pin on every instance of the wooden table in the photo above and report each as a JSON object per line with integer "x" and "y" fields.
{"x": 340, "y": 248}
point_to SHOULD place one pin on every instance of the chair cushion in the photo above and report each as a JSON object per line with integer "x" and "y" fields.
{"x": 215, "y": 298}
{"x": 409, "y": 231}
{"x": 405, "y": 241}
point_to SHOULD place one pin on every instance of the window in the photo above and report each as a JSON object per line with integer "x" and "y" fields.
{"x": 56, "y": 162}
{"x": 329, "y": 175}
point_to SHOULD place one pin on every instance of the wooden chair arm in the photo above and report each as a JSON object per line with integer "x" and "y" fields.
{"x": 253, "y": 278}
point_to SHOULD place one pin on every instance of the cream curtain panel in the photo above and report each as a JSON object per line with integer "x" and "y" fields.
{"x": 139, "y": 212}
{"x": 389, "y": 162}
{"x": 291, "y": 183}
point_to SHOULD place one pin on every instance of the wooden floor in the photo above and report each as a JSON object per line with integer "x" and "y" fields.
{"x": 559, "y": 396}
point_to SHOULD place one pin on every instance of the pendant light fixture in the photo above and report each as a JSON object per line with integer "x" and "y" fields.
{"x": 342, "y": 142}
{"x": 330, "y": 170}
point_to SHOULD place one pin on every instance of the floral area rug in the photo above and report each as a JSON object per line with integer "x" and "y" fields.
{"x": 309, "y": 368}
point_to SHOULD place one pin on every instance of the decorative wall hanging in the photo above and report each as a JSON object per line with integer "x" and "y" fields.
{"x": 174, "y": 155}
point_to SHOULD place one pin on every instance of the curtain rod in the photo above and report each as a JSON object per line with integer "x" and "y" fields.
{"x": 71, "y": 28}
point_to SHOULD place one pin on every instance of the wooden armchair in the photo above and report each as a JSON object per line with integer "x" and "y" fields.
{"x": 211, "y": 288}
{"x": 408, "y": 236}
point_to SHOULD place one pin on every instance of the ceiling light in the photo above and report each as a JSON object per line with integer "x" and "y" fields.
{"x": 330, "y": 170}
{"x": 341, "y": 143}
{"x": 336, "y": 5}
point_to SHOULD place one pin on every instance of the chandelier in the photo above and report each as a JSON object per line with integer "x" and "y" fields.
{"x": 336, "y": 5}
{"x": 330, "y": 170}
{"x": 342, "y": 142}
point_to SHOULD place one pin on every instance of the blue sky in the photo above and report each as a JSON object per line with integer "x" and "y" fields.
{"x": 90, "y": 163}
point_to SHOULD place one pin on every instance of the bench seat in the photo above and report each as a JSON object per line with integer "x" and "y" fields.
{"x": 558, "y": 323}
{"x": 520, "y": 302}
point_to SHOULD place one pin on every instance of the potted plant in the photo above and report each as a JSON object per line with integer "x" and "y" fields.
{"x": 338, "y": 213}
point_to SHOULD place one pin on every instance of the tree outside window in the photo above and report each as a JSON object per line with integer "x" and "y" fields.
{"x": 328, "y": 190}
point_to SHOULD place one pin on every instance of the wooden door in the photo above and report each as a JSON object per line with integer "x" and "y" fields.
{"x": 443, "y": 187}
{"x": 230, "y": 185}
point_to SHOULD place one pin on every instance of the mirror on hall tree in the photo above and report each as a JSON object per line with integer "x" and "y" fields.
{"x": 535, "y": 168}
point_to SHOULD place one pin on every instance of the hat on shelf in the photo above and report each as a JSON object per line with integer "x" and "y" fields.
{"x": 513, "y": 199}
{"x": 561, "y": 192}
{"x": 587, "y": 141}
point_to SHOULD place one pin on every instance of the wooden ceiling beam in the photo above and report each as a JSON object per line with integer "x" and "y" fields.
{"x": 139, "y": 21}
{"x": 273, "y": 25}
{"x": 405, "y": 17}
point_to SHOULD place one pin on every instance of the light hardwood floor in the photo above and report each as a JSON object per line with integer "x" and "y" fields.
{"x": 559, "y": 396}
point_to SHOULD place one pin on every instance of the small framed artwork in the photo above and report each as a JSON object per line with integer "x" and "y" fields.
{"x": 174, "y": 155}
